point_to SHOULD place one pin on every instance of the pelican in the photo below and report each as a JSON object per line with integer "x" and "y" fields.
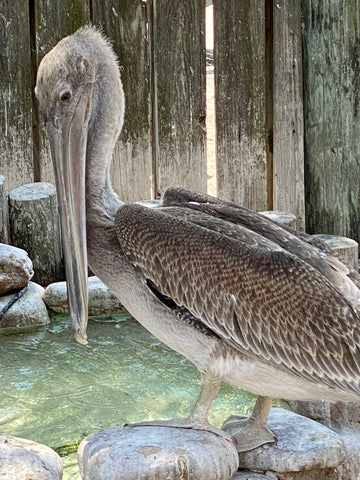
{"x": 247, "y": 301}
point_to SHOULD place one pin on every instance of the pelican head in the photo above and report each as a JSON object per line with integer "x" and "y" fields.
{"x": 80, "y": 94}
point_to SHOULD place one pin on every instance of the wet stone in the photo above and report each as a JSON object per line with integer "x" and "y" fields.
{"x": 16, "y": 268}
{"x": 150, "y": 452}
{"x": 22, "y": 459}
{"x": 28, "y": 312}
{"x": 101, "y": 300}
{"x": 303, "y": 446}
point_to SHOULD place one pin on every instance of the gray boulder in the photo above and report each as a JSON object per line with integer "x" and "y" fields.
{"x": 22, "y": 459}
{"x": 101, "y": 300}
{"x": 16, "y": 268}
{"x": 161, "y": 453}
{"x": 28, "y": 312}
{"x": 305, "y": 450}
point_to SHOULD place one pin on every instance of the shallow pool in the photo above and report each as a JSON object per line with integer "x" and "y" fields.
{"x": 56, "y": 392}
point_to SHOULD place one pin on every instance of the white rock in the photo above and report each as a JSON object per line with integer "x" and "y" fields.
{"x": 161, "y": 453}
{"x": 16, "y": 268}
{"x": 302, "y": 445}
{"x": 22, "y": 459}
{"x": 101, "y": 300}
{"x": 29, "y": 311}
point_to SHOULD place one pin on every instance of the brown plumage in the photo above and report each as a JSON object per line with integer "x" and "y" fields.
{"x": 247, "y": 301}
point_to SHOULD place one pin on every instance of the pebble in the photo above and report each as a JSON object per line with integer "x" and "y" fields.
{"x": 16, "y": 268}
{"x": 22, "y": 459}
{"x": 101, "y": 300}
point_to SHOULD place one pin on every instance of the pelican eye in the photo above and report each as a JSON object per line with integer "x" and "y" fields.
{"x": 65, "y": 96}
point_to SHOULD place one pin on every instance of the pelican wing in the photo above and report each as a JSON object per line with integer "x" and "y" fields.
{"x": 246, "y": 288}
{"x": 311, "y": 250}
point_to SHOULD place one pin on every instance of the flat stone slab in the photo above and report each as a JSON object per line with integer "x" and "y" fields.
{"x": 161, "y": 453}
{"x": 101, "y": 300}
{"x": 28, "y": 312}
{"x": 302, "y": 445}
{"x": 16, "y": 268}
{"x": 22, "y": 459}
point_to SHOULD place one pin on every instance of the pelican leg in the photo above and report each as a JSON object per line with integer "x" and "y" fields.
{"x": 251, "y": 432}
{"x": 198, "y": 417}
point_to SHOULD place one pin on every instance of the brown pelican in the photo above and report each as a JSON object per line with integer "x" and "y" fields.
{"x": 247, "y": 301}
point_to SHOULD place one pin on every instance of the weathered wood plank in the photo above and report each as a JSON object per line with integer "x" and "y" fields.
{"x": 288, "y": 131}
{"x": 239, "y": 54}
{"x": 35, "y": 227}
{"x": 4, "y": 212}
{"x": 16, "y": 147}
{"x": 179, "y": 59}
{"x": 53, "y": 20}
{"x": 125, "y": 23}
{"x": 332, "y": 115}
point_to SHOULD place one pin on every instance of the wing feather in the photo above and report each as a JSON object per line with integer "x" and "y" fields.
{"x": 257, "y": 296}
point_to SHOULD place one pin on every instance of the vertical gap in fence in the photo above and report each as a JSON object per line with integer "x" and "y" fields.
{"x": 269, "y": 112}
{"x": 154, "y": 134}
{"x": 35, "y": 111}
{"x": 210, "y": 104}
{"x": 91, "y": 11}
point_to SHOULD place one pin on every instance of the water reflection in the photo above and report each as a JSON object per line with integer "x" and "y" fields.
{"x": 56, "y": 392}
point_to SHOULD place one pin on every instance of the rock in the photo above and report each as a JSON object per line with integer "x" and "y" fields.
{"x": 16, "y": 268}
{"x": 22, "y": 459}
{"x": 302, "y": 446}
{"x": 161, "y": 453}
{"x": 28, "y": 312}
{"x": 101, "y": 300}
{"x": 350, "y": 469}
{"x": 337, "y": 415}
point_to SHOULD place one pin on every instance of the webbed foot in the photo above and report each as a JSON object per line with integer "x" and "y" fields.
{"x": 247, "y": 433}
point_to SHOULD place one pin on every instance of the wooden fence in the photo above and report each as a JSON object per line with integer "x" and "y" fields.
{"x": 287, "y": 88}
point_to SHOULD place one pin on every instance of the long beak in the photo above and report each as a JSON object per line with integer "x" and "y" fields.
{"x": 68, "y": 150}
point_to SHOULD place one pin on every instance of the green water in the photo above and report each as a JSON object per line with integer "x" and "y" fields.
{"x": 56, "y": 392}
